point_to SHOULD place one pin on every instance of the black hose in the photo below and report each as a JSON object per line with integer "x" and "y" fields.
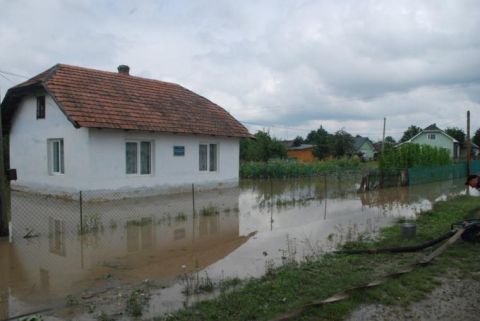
{"x": 27, "y": 314}
{"x": 401, "y": 249}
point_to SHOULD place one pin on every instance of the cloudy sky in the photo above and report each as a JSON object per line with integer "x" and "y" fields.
{"x": 285, "y": 66}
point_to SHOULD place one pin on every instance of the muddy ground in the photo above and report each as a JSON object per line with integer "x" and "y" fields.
{"x": 456, "y": 299}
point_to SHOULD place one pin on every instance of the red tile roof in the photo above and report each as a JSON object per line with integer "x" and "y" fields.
{"x": 100, "y": 99}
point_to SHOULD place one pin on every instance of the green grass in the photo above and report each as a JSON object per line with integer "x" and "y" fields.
{"x": 293, "y": 285}
{"x": 209, "y": 211}
{"x": 287, "y": 168}
{"x": 137, "y": 300}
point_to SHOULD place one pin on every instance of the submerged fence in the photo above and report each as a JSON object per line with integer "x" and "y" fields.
{"x": 428, "y": 174}
{"x": 87, "y": 212}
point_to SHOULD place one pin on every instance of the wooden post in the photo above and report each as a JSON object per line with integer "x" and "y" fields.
{"x": 4, "y": 188}
{"x": 468, "y": 145}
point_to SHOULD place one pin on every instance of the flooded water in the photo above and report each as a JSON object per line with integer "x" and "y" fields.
{"x": 232, "y": 233}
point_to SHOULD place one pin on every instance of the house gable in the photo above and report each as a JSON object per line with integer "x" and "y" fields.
{"x": 365, "y": 146}
{"x": 435, "y": 137}
{"x": 31, "y": 146}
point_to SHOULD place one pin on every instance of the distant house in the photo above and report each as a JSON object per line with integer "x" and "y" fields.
{"x": 364, "y": 147}
{"x": 435, "y": 137}
{"x": 74, "y": 128}
{"x": 303, "y": 152}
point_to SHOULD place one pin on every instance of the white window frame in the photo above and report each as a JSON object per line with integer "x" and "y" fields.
{"x": 139, "y": 142}
{"x": 60, "y": 158}
{"x": 431, "y": 136}
{"x": 209, "y": 157}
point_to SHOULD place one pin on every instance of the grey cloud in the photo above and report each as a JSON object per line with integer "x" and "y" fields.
{"x": 278, "y": 63}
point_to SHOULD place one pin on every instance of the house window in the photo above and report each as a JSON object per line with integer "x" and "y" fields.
{"x": 431, "y": 136}
{"x": 138, "y": 157}
{"x": 55, "y": 156}
{"x": 213, "y": 157}
{"x": 40, "y": 107}
{"x": 178, "y": 150}
{"x": 207, "y": 157}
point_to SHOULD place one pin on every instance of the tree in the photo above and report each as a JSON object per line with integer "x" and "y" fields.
{"x": 320, "y": 140}
{"x": 409, "y": 133}
{"x": 458, "y": 134}
{"x": 298, "y": 141}
{"x": 341, "y": 144}
{"x": 262, "y": 148}
{"x": 390, "y": 140}
{"x": 476, "y": 137}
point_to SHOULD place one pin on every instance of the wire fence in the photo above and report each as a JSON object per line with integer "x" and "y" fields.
{"x": 90, "y": 212}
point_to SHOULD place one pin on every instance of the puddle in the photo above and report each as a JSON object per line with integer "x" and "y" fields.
{"x": 235, "y": 233}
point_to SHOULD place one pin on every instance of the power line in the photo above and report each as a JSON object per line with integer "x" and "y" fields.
{"x": 7, "y": 78}
{"x": 310, "y": 129}
{"x": 13, "y": 74}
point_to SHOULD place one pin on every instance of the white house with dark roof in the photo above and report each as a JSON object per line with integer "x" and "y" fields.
{"x": 435, "y": 137}
{"x": 364, "y": 147}
{"x": 74, "y": 128}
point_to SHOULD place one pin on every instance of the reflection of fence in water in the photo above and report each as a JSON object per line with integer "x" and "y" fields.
{"x": 134, "y": 238}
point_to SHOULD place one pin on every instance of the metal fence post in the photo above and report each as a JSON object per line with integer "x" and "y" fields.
{"x": 325, "y": 194}
{"x": 80, "y": 198}
{"x": 193, "y": 198}
{"x": 271, "y": 204}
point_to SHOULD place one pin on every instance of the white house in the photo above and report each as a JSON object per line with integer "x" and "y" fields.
{"x": 74, "y": 128}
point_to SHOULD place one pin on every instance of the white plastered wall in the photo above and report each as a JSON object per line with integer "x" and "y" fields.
{"x": 95, "y": 159}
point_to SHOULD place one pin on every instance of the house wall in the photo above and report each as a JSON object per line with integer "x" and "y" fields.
{"x": 440, "y": 141}
{"x": 29, "y": 148}
{"x": 108, "y": 161}
{"x": 95, "y": 159}
{"x": 305, "y": 155}
{"x": 367, "y": 150}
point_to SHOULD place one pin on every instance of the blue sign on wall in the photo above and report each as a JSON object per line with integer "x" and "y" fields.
{"x": 178, "y": 150}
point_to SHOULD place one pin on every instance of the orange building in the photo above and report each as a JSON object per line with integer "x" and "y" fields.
{"x": 302, "y": 153}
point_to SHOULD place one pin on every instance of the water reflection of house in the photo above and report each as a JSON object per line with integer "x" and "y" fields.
{"x": 148, "y": 243}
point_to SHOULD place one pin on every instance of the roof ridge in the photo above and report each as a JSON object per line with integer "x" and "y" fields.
{"x": 51, "y": 73}
{"x": 114, "y": 73}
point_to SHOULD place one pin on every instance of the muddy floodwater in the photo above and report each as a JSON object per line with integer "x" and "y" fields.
{"x": 64, "y": 250}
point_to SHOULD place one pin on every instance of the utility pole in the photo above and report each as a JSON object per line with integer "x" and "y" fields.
{"x": 383, "y": 136}
{"x": 468, "y": 143}
{"x": 4, "y": 187}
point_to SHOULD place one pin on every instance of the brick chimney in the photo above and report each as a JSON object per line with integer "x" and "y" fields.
{"x": 124, "y": 69}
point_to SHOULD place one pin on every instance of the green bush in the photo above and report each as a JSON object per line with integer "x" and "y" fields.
{"x": 289, "y": 168}
{"x": 411, "y": 155}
